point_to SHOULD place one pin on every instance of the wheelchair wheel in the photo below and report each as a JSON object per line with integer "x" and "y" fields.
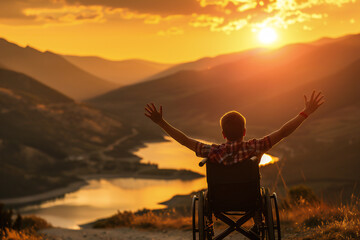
{"x": 269, "y": 220}
{"x": 201, "y": 216}
{"x": 277, "y": 226}
{"x": 195, "y": 199}
{"x": 198, "y": 207}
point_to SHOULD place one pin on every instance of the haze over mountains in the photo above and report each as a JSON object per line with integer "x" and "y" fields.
{"x": 123, "y": 73}
{"x": 207, "y": 62}
{"x": 52, "y": 70}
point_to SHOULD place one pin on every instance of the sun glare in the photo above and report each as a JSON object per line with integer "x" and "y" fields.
{"x": 267, "y": 35}
{"x": 268, "y": 159}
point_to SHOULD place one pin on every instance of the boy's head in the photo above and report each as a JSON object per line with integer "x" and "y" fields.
{"x": 233, "y": 125}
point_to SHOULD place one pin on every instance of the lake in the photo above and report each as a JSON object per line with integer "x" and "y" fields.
{"x": 104, "y": 197}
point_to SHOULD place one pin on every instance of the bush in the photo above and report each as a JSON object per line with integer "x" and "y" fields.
{"x": 167, "y": 219}
{"x": 22, "y": 227}
{"x": 300, "y": 195}
{"x": 34, "y": 223}
{"x": 121, "y": 219}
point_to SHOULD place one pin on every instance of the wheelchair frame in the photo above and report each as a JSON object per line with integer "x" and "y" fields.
{"x": 203, "y": 210}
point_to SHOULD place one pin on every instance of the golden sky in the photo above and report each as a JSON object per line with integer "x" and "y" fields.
{"x": 170, "y": 30}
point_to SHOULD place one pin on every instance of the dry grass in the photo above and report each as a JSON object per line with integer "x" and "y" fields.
{"x": 316, "y": 221}
{"x": 322, "y": 221}
{"x": 22, "y": 235}
{"x": 154, "y": 220}
{"x": 28, "y": 229}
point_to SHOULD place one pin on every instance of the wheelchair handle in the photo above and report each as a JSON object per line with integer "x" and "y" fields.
{"x": 203, "y": 162}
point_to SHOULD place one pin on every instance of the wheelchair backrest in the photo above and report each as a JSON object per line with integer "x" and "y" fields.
{"x": 233, "y": 187}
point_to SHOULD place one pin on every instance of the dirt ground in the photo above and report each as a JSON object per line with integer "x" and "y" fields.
{"x": 132, "y": 234}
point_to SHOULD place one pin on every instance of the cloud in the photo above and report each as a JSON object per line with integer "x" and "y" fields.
{"x": 216, "y": 15}
{"x": 11, "y": 12}
{"x": 159, "y": 7}
{"x": 126, "y": 14}
{"x": 218, "y": 24}
{"x": 66, "y": 15}
{"x": 171, "y": 31}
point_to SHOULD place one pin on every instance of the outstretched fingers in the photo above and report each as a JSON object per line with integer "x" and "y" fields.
{"x": 148, "y": 110}
{"x": 319, "y": 99}
{"x": 154, "y": 108}
{"x": 150, "y": 107}
{"x": 312, "y": 96}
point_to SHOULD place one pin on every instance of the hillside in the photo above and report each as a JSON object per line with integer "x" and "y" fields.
{"x": 40, "y": 128}
{"x": 119, "y": 72}
{"x": 207, "y": 62}
{"x": 52, "y": 70}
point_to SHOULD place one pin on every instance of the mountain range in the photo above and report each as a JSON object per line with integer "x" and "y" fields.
{"x": 122, "y": 73}
{"x": 237, "y": 85}
{"x": 52, "y": 70}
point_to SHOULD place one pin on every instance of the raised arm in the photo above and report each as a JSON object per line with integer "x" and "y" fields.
{"x": 156, "y": 117}
{"x": 288, "y": 128}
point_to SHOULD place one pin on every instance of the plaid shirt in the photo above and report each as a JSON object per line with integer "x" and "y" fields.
{"x": 233, "y": 152}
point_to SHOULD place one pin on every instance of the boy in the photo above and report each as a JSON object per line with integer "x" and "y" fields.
{"x": 235, "y": 149}
{"x": 233, "y": 130}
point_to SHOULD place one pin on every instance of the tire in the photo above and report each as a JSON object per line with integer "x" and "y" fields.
{"x": 277, "y": 226}
{"x": 193, "y": 212}
{"x": 201, "y": 216}
{"x": 269, "y": 220}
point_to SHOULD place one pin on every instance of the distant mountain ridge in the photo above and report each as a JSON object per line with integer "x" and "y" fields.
{"x": 52, "y": 70}
{"x": 234, "y": 85}
{"x": 123, "y": 72}
{"x": 207, "y": 62}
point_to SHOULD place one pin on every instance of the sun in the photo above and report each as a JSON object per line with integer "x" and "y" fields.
{"x": 267, "y": 35}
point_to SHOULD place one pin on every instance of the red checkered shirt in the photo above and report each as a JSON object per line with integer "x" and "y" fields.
{"x": 233, "y": 152}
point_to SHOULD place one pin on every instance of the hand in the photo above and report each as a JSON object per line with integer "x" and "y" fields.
{"x": 315, "y": 101}
{"x": 153, "y": 114}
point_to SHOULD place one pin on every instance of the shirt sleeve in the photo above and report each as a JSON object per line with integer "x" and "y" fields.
{"x": 202, "y": 150}
{"x": 261, "y": 145}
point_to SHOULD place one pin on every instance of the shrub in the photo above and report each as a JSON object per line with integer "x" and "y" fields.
{"x": 168, "y": 218}
{"x": 300, "y": 195}
{"x": 34, "y": 223}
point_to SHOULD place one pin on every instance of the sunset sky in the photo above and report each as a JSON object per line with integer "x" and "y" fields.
{"x": 170, "y": 30}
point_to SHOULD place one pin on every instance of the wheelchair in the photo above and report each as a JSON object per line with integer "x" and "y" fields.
{"x": 234, "y": 192}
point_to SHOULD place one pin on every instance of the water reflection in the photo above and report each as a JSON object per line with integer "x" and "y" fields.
{"x": 102, "y": 198}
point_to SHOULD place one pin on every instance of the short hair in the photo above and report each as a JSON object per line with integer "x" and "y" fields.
{"x": 233, "y": 125}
